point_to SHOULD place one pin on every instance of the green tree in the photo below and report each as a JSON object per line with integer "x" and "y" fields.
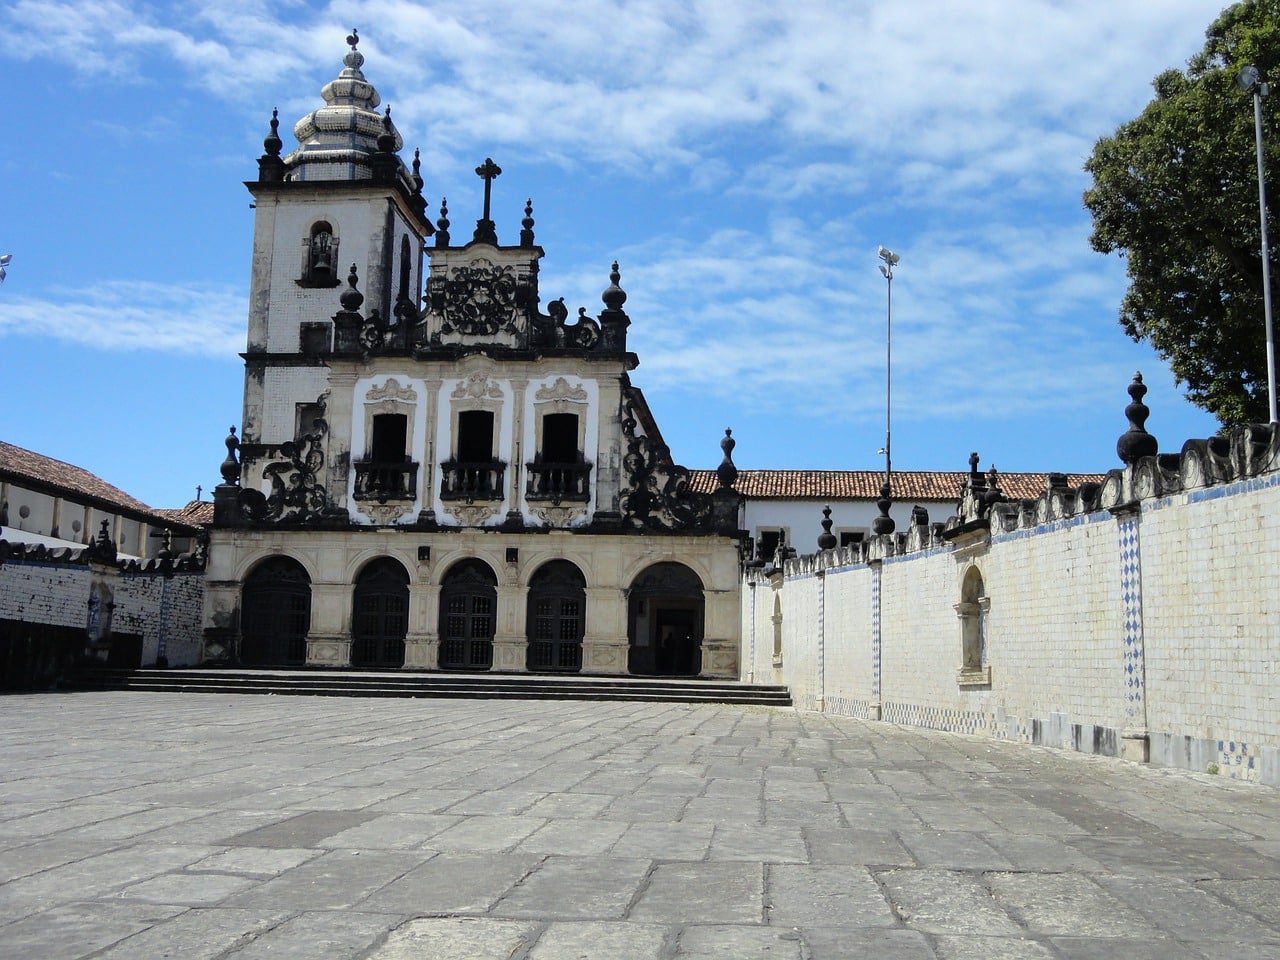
{"x": 1175, "y": 192}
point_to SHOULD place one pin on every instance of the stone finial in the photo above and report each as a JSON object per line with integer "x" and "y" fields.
{"x": 230, "y": 468}
{"x": 727, "y": 473}
{"x": 417, "y": 170}
{"x": 974, "y": 460}
{"x": 883, "y": 524}
{"x": 526, "y": 233}
{"x": 826, "y": 540}
{"x": 442, "y": 225}
{"x": 351, "y": 298}
{"x": 1135, "y": 442}
{"x": 387, "y": 138}
{"x": 270, "y": 166}
{"x": 614, "y": 296}
{"x": 273, "y": 143}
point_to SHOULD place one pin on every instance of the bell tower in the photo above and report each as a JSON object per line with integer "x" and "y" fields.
{"x": 342, "y": 205}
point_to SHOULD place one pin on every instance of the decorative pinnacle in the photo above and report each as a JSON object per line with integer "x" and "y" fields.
{"x": 884, "y": 523}
{"x": 526, "y": 234}
{"x": 417, "y": 169}
{"x": 614, "y": 296}
{"x": 351, "y": 297}
{"x": 387, "y": 139}
{"x": 727, "y": 473}
{"x": 354, "y": 59}
{"x": 273, "y": 143}
{"x": 442, "y": 225}
{"x": 826, "y": 539}
{"x": 1135, "y": 442}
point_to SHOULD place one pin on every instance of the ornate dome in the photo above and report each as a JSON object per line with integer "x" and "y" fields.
{"x": 337, "y": 141}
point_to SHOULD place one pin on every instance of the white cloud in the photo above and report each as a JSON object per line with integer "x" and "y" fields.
{"x": 123, "y": 315}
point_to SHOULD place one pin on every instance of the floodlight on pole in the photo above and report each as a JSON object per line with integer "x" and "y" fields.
{"x": 890, "y": 261}
{"x": 1250, "y": 80}
{"x": 883, "y": 524}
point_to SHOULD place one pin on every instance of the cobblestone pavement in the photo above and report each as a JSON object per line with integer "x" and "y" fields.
{"x": 137, "y": 825}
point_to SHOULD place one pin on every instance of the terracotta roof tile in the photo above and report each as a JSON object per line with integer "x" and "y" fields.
{"x": 197, "y": 513}
{"x": 25, "y": 466}
{"x": 865, "y": 484}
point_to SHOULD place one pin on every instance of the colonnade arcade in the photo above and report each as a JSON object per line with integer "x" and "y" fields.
{"x": 475, "y": 615}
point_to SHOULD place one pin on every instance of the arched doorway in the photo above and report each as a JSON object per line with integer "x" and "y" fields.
{"x": 468, "y": 613}
{"x": 557, "y": 618}
{"x": 664, "y": 622}
{"x": 275, "y": 614}
{"x": 380, "y": 615}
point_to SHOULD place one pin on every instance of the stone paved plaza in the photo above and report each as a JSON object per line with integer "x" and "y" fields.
{"x": 138, "y": 825}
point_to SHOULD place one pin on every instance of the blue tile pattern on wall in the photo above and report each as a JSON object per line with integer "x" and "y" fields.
{"x": 1131, "y": 594}
{"x": 875, "y": 634}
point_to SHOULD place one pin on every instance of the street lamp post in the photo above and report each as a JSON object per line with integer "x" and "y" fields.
{"x": 1250, "y": 81}
{"x": 884, "y": 524}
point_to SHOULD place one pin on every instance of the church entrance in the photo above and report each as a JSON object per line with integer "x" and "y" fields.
{"x": 275, "y": 614}
{"x": 664, "y": 622}
{"x": 468, "y": 608}
{"x": 556, "y": 618}
{"x": 380, "y": 615}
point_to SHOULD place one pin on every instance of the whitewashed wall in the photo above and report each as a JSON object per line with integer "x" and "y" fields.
{"x": 1144, "y": 622}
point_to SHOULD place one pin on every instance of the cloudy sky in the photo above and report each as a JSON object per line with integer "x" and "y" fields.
{"x": 741, "y": 159}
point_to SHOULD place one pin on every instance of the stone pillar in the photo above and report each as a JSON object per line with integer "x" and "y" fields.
{"x": 604, "y": 643}
{"x": 329, "y": 639}
{"x": 510, "y": 646}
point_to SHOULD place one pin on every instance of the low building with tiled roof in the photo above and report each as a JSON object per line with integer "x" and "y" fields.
{"x": 53, "y": 503}
{"x": 789, "y": 503}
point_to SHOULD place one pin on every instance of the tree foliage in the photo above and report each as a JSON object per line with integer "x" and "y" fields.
{"x": 1175, "y": 192}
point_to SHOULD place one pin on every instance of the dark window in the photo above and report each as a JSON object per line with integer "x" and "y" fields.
{"x": 849, "y": 538}
{"x": 560, "y": 438}
{"x": 475, "y": 436}
{"x": 390, "y": 432}
{"x": 767, "y": 544}
{"x": 403, "y": 292}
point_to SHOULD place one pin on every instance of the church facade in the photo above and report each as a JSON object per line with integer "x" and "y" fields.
{"x": 433, "y": 470}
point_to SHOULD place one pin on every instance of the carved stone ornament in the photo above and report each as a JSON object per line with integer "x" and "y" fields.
{"x": 472, "y": 515}
{"x": 477, "y": 299}
{"x": 659, "y": 496}
{"x": 384, "y": 514}
{"x": 585, "y": 334}
{"x": 297, "y": 494}
{"x": 392, "y": 390}
{"x": 558, "y": 516}
{"x": 477, "y": 387}
{"x": 560, "y": 390}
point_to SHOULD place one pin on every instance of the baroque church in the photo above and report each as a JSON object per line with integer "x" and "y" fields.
{"x": 435, "y": 469}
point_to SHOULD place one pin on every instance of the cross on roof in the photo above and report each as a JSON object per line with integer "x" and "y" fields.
{"x": 488, "y": 171}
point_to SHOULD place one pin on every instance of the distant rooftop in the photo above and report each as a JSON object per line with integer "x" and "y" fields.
{"x": 18, "y": 465}
{"x": 941, "y": 485}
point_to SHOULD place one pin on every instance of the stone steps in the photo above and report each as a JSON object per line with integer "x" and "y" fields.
{"x": 351, "y": 683}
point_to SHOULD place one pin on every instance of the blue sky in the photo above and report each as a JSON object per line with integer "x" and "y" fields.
{"x": 741, "y": 160}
